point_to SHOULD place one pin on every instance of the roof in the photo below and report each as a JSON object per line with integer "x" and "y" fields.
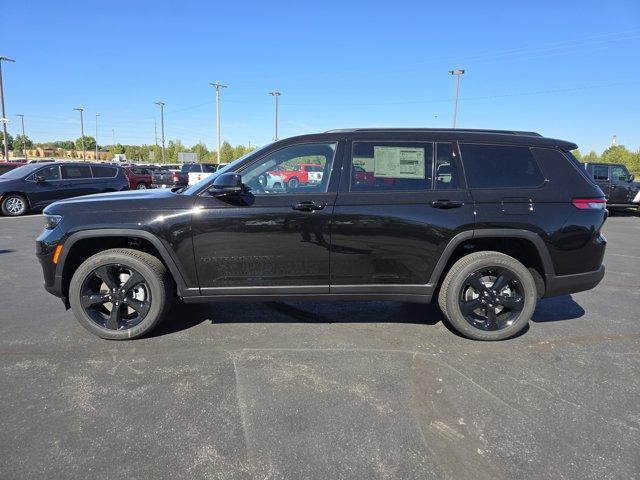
{"x": 447, "y": 130}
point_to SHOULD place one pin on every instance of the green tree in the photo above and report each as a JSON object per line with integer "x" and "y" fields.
{"x": 9, "y": 141}
{"x": 591, "y": 157}
{"x": 201, "y": 150}
{"x": 226, "y": 152}
{"x": 116, "y": 149}
{"x": 89, "y": 143}
{"x": 22, "y": 142}
{"x": 576, "y": 153}
{"x": 617, "y": 154}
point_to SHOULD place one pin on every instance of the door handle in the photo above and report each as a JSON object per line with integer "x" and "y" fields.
{"x": 446, "y": 204}
{"x": 308, "y": 206}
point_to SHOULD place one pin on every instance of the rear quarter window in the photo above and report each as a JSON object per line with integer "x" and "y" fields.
{"x": 500, "y": 166}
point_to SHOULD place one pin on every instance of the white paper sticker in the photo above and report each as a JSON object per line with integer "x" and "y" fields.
{"x": 399, "y": 162}
{"x": 366, "y": 163}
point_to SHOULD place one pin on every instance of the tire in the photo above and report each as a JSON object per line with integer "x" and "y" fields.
{"x": 14, "y": 205}
{"x": 483, "y": 269}
{"x": 156, "y": 297}
{"x": 142, "y": 186}
{"x": 293, "y": 183}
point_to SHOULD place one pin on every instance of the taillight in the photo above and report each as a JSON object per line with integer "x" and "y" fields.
{"x": 589, "y": 203}
{"x": 174, "y": 176}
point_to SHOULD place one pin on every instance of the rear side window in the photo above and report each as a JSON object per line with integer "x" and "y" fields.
{"x": 104, "y": 172}
{"x": 446, "y": 170}
{"x": 600, "y": 172}
{"x": 382, "y": 166}
{"x": 74, "y": 172}
{"x": 499, "y": 166}
{"x": 210, "y": 167}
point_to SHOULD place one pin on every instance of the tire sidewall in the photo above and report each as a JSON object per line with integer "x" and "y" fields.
{"x": 158, "y": 295}
{"x": 293, "y": 182}
{"x": 498, "y": 260}
{"x": 10, "y": 196}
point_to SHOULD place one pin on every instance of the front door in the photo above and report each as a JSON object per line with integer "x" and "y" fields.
{"x": 601, "y": 176}
{"x": 395, "y": 213}
{"x": 274, "y": 240}
{"x": 621, "y": 191}
{"x": 49, "y": 189}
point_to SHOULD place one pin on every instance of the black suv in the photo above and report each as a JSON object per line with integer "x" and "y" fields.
{"x": 487, "y": 222}
{"x": 617, "y": 184}
{"x": 35, "y": 185}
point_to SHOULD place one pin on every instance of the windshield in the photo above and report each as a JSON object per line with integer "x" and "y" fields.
{"x": 20, "y": 172}
{"x": 196, "y": 187}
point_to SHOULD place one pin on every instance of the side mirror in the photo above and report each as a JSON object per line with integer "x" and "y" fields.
{"x": 227, "y": 184}
{"x": 631, "y": 177}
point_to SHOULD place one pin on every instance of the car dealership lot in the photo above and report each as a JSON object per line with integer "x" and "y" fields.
{"x": 311, "y": 390}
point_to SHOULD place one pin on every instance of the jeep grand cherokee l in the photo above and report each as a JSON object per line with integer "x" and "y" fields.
{"x": 486, "y": 222}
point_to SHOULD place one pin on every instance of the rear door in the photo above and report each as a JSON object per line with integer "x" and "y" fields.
{"x": 77, "y": 180}
{"x": 399, "y": 205}
{"x": 602, "y": 178}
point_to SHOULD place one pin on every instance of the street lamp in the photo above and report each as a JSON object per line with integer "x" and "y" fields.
{"x": 218, "y": 86}
{"x": 96, "y": 157}
{"x": 4, "y": 116}
{"x": 456, "y": 73}
{"x": 81, "y": 110}
{"x": 24, "y": 137}
{"x": 275, "y": 95}
{"x": 161, "y": 105}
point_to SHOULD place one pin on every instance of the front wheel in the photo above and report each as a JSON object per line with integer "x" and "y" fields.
{"x": 14, "y": 205}
{"x": 293, "y": 183}
{"x": 488, "y": 296}
{"x": 142, "y": 186}
{"x": 120, "y": 294}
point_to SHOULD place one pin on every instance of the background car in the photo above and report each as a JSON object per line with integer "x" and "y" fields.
{"x": 140, "y": 178}
{"x": 7, "y": 166}
{"x": 34, "y": 186}
{"x": 617, "y": 184}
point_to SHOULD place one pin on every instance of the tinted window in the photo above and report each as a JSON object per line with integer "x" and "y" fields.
{"x": 619, "y": 173}
{"x": 498, "y": 166}
{"x": 73, "y": 172}
{"x": 192, "y": 167}
{"x": 600, "y": 172}
{"x": 447, "y": 176}
{"x": 6, "y": 168}
{"x": 209, "y": 167}
{"x": 380, "y": 166}
{"x": 49, "y": 173}
{"x": 274, "y": 173}
{"x": 104, "y": 172}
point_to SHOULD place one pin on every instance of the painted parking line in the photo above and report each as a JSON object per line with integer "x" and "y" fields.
{"x": 23, "y": 216}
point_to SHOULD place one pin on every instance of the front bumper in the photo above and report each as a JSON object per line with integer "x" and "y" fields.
{"x": 579, "y": 282}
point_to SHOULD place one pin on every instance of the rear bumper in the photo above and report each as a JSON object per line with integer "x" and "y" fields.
{"x": 579, "y": 282}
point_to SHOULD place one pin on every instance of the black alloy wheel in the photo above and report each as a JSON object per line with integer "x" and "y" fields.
{"x": 115, "y": 297}
{"x": 491, "y": 298}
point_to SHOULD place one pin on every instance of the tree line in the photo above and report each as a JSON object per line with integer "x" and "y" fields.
{"x": 143, "y": 153}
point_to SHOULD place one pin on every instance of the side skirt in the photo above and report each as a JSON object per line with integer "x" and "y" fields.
{"x": 310, "y": 297}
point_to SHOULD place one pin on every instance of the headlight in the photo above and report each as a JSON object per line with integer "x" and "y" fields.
{"x": 51, "y": 221}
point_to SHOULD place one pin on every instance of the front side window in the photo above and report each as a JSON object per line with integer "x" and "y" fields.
{"x": 280, "y": 172}
{"x": 500, "y": 166}
{"x": 75, "y": 172}
{"x": 382, "y": 166}
{"x": 601, "y": 172}
{"x": 619, "y": 174}
{"x": 49, "y": 173}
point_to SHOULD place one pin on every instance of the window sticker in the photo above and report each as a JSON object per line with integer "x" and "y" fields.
{"x": 399, "y": 162}
{"x": 366, "y": 163}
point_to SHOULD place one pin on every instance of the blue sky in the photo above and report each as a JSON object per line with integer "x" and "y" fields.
{"x": 568, "y": 69}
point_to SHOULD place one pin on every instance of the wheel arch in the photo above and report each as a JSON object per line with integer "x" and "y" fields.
{"x": 524, "y": 245}
{"x": 81, "y": 245}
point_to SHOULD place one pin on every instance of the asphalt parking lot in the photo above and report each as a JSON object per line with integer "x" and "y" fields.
{"x": 328, "y": 391}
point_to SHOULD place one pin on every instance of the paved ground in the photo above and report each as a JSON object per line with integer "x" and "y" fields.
{"x": 327, "y": 391}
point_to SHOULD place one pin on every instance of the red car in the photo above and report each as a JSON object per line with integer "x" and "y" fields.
{"x": 7, "y": 166}
{"x": 301, "y": 174}
{"x": 139, "y": 177}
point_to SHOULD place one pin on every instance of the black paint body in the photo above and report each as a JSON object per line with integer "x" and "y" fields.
{"x": 361, "y": 245}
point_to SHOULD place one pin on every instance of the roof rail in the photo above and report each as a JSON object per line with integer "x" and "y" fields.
{"x": 448, "y": 130}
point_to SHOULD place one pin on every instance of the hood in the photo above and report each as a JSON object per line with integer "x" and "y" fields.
{"x": 154, "y": 199}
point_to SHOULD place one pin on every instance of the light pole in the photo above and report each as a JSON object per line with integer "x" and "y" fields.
{"x": 81, "y": 110}
{"x": 96, "y": 158}
{"x": 24, "y": 137}
{"x": 4, "y": 116}
{"x": 275, "y": 95}
{"x": 161, "y": 105}
{"x": 218, "y": 86}
{"x": 456, "y": 73}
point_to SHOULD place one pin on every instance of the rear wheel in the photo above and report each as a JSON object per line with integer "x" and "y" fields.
{"x": 488, "y": 296}
{"x": 142, "y": 186}
{"x": 14, "y": 205}
{"x": 120, "y": 294}
{"x": 293, "y": 182}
